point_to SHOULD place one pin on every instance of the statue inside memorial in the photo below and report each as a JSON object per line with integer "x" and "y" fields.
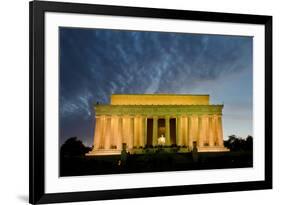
{"x": 161, "y": 140}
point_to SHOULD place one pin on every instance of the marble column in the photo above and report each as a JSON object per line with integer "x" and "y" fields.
{"x": 155, "y": 131}
{"x": 126, "y": 130}
{"x": 216, "y": 130}
{"x": 204, "y": 130}
{"x": 144, "y": 131}
{"x": 184, "y": 131}
{"x": 211, "y": 131}
{"x": 200, "y": 132}
{"x": 187, "y": 131}
{"x": 179, "y": 131}
{"x": 220, "y": 133}
{"x": 113, "y": 131}
{"x": 130, "y": 132}
{"x": 207, "y": 131}
{"x": 107, "y": 133}
{"x": 194, "y": 130}
{"x": 141, "y": 136}
{"x": 167, "y": 130}
{"x": 136, "y": 131}
{"x": 120, "y": 134}
{"x": 190, "y": 132}
{"x": 102, "y": 135}
{"x": 97, "y": 133}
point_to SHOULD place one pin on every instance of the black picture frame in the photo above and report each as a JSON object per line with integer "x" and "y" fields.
{"x": 37, "y": 9}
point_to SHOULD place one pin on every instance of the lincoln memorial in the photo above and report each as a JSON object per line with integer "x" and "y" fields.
{"x": 157, "y": 120}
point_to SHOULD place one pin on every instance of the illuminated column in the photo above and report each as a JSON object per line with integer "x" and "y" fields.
{"x": 145, "y": 131}
{"x": 179, "y": 131}
{"x": 125, "y": 129}
{"x": 102, "y": 134}
{"x": 187, "y": 131}
{"x": 204, "y": 130}
{"x": 155, "y": 131}
{"x": 130, "y": 132}
{"x": 141, "y": 136}
{"x": 136, "y": 131}
{"x": 120, "y": 133}
{"x": 211, "y": 131}
{"x": 190, "y": 132}
{"x": 194, "y": 130}
{"x": 184, "y": 131}
{"x": 215, "y": 130}
{"x": 113, "y": 131}
{"x": 167, "y": 130}
{"x": 220, "y": 134}
{"x": 200, "y": 132}
{"x": 138, "y": 138}
{"x": 97, "y": 135}
{"x": 207, "y": 131}
{"x": 107, "y": 132}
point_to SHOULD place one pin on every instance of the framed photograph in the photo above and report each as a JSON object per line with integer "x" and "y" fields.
{"x": 140, "y": 102}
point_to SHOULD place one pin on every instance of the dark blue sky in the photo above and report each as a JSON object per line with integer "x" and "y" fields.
{"x": 94, "y": 63}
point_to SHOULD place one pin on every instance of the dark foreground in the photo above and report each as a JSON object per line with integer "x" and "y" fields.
{"x": 156, "y": 162}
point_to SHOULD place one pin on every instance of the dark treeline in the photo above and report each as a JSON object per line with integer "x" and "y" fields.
{"x": 73, "y": 147}
{"x": 235, "y": 143}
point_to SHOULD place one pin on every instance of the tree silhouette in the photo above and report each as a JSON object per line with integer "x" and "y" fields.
{"x": 249, "y": 143}
{"x": 235, "y": 143}
{"x": 73, "y": 147}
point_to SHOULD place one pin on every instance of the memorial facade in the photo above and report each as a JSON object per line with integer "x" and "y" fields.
{"x": 157, "y": 120}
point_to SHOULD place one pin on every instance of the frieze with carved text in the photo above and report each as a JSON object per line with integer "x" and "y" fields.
{"x": 158, "y": 110}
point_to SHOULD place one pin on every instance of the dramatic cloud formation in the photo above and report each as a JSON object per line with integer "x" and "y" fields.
{"x": 95, "y": 63}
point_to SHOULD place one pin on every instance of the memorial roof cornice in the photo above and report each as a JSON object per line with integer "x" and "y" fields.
{"x": 107, "y": 109}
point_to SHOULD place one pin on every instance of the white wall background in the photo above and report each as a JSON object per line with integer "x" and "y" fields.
{"x": 14, "y": 100}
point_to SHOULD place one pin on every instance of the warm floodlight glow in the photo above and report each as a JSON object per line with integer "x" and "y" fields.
{"x": 138, "y": 120}
{"x": 161, "y": 140}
